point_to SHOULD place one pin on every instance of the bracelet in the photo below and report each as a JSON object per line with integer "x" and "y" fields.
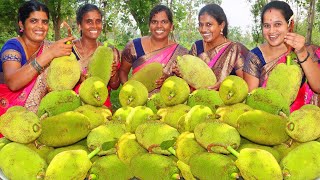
{"x": 300, "y": 62}
{"x": 36, "y": 66}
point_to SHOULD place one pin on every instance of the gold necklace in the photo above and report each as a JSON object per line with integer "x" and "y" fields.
{"x": 151, "y": 47}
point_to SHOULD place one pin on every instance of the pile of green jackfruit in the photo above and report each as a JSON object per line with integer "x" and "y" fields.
{"x": 173, "y": 134}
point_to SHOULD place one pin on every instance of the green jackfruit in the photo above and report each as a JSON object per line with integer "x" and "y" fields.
{"x": 41, "y": 149}
{"x": 110, "y": 168}
{"x": 152, "y": 133}
{"x": 96, "y": 115}
{"x": 57, "y": 102}
{"x": 100, "y": 64}
{"x": 148, "y": 75}
{"x": 133, "y": 93}
{"x": 174, "y": 91}
{"x": 195, "y": 71}
{"x": 20, "y": 162}
{"x": 302, "y": 162}
{"x": 110, "y": 132}
{"x": 286, "y": 147}
{"x": 4, "y": 141}
{"x": 64, "y": 129}
{"x": 233, "y": 89}
{"x": 63, "y": 73}
{"x": 286, "y": 79}
{"x": 209, "y": 166}
{"x": 56, "y": 151}
{"x": 139, "y": 115}
{"x": 230, "y": 114}
{"x": 185, "y": 170}
{"x": 186, "y": 146}
{"x": 128, "y": 147}
{"x": 20, "y": 126}
{"x": 271, "y": 150}
{"x": 170, "y": 115}
{"x": 154, "y": 166}
{"x": 302, "y": 125}
{"x": 262, "y": 127}
{"x": 216, "y": 136}
{"x": 121, "y": 114}
{"x": 310, "y": 106}
{"x": 268, "y": 100}
{"x": 93, "y": 91}
{"x": 155, "y": 102}
{"x": 205, "y": 97}
{"x": 195, "y": 116}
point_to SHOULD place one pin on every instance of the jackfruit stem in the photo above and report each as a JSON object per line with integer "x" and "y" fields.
{"x": 230, "y": 94}
{"x": 288, "y": 59}
{"x": 282, "y": 114}
{"x": 96, "y": 95}
{"x": 92, "y": 177}
{"x": 175, "y": 176}
{"x": 36, "y": 128}
{"x": 172, "y": 151}
{"x": 233, "y": 151}
{"x": 290, "y": 126}
{"x": 45, "y": 115}
{"x": 235, "y": 175}
{"x": 94, "y": 152}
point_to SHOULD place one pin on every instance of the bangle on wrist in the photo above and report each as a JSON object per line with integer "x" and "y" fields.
{"x": 36, "y": 66}
{"x": 300, "y": 62}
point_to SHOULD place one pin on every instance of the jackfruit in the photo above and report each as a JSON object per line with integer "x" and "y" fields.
{"x": 63, "y": 73}
{"x": 286, "y": 147}
{"x": 93, "y": 91}
{"x": 148, "y": 75}
{"x": 195, "y": 71}
{"x": 268, "y": 100}
{"x": 64, "y": 129}
{"x": 155, "y": 102}
{"x": 139, "y": 115}
{"x": 56, "y": 151}
{"x": 20, "y": 162}
{"x": 121, "y": 114}
{"x": 205, "y": 97}
{"x": 57, "y": 102}
{"x": 20, "y": 126}
{"x": 262, "y": 127}
{"x": 196, "y": 115}
{"x": 41, "y": 149}
{"x": 100, "y": 64}
{"x": 174, "y": 91}
{"x": 170, "y": 115}
{"x": 4, "y": 141}
{"x": 233, "y": 89}
{"x": 230, "y": 114}
{"x": 185, "y": 170}
{"x": 302, "y": 162}
{"x": 133, "y": 93}
{"x": 216, "y": 136}
{"x": 271, "y": 150}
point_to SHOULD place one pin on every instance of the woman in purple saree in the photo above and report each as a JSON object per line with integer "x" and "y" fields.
{"x": 154, "y": 48}
{"x": 23, "y": 59}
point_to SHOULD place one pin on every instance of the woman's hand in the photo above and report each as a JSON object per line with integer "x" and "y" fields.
{"x": 114, "y": 68}
{"x": 60, "y": 48}
{"x": 176, "y": 70}
{"x": 160, "y": 81}
{"x": 296, "y": 41}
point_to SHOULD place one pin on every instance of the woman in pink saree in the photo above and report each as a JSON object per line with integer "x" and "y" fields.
{"x": 157, "y": 47}
{"x": 276, "y": 20}
{"x": 222, "y": 55}
{"x": 24, "y": 59}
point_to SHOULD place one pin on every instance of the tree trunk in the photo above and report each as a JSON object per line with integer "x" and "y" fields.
{"x": 310, "y": 20}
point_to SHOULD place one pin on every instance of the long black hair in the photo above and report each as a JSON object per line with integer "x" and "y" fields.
{"x": 284, "y": 8}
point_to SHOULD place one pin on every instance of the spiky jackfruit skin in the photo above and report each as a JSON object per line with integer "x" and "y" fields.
{"x": 302, "y": 162}
{"x": 133, "y": 93}
{"x": 137, "y": 116}
{"x": 110, "y": 168}
{"x": 57, "y": 102}
{"x": 174, "y": 90}
{"x": 268, "y": 100}
{"x": 148, "y": 75}
{"x": 64, "y": 129}
{"x": 128, "y": 147}
{"x": 111, "y": 131}
{"x": 285, "y": 148}
{"x": 72, "y": 164}
{"x": 310, "y": 106}
{"x": 258, "y": 164}
{"x": 216, "y": 136}
{"x": 63, "y": 73}
{"x": 152, "y": 133}
{"x": 208, "y": 166}
{"x": 100, "y": 64}
{"x": 186, "y": 146}
{"x": 42, "y": 150}
{"x": 233, "y": 89}
{"x": 171, "y": 115}
{"x": 286, "y": 79}
{"x": 196, "y": 115}
{"x": 21, "y": 126}
{"x": 205, "y": 97}
{"x": 155, "y": 102}
{"x": 153, "y": 166}
{"x": 185, "y": 170}
{"x": 195, "y": 71}
{"x": 230, "y": 114}
{"x": 93, "y": 91}
{"x": 121, "y": 114}
{"x": 271, "y": 150}
{"x": 96, "y": 115}
{"x": 262, "y": 127}
{"x": 20, "y": 162}
{"x": 56, "y": 151}
{"x": 302, "y": 125}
